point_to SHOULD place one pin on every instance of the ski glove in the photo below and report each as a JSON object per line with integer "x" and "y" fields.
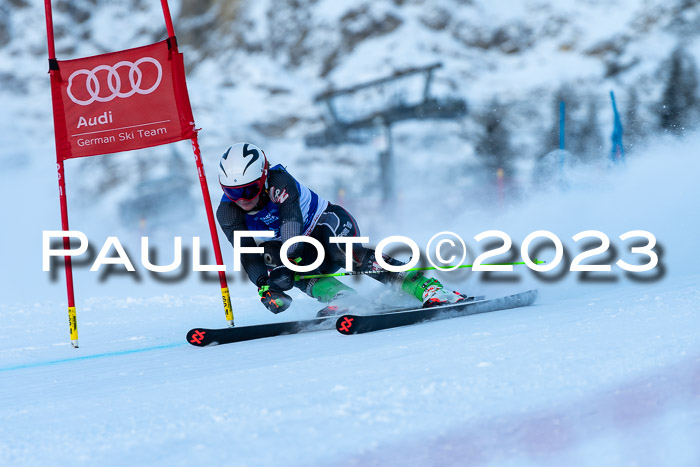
{"x": 282, "y": 278}
{"x": 276, "y": 302}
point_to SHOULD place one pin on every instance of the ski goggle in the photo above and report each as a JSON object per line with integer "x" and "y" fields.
{"x": 245, "y": 192}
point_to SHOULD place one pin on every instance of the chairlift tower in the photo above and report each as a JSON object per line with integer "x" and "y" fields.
{"x": 356, "y": 112}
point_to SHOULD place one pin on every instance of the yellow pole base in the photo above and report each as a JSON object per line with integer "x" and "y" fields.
{"x": 227, "y": 305}
{"x": 73, "y": 324}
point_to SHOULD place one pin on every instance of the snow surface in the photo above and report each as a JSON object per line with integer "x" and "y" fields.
{"x": 596, "y": 373}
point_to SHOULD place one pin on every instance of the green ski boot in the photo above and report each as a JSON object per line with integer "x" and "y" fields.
{"x": 430, "y": 291}
{"x": 340, "y": 297}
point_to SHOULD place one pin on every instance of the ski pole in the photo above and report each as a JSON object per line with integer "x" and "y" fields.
{"x": 357, "y": 273}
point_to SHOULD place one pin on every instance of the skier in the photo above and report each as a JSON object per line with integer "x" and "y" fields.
{"x": 259, "y": 197}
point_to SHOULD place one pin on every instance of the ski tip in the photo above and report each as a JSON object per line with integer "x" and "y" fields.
{"x": 345, "y": 324}
{"x": 532, "y": 294}
{"x": 197, "y": 337}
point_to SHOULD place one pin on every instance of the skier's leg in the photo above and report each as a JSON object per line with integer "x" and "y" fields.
{"x": 341, "y": 223}
{"x": 426, "y": 289}
{"x": 338, "y": 222}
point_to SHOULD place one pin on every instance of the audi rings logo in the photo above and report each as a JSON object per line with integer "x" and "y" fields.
{"x": 92, "y": 86}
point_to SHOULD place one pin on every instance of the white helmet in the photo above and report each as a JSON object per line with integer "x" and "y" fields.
{"x": 243, "y": 171}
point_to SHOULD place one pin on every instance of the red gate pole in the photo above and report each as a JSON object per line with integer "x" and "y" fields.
{"x": 214, "y": 235}
{"x": 168, "y": 19}
{"x": 205, "y": 191}
{"x": 55, "y": 75}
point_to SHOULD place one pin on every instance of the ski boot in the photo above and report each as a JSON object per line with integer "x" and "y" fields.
{"x": 430, "y": 291}
{"x": 340, "y": 298}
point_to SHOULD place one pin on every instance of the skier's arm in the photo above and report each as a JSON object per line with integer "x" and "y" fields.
{"x": 231, "y": 218}
{"x": 283, "y": 191}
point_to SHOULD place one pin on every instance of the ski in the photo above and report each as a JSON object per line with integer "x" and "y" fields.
{"x": 202, "y": 337}
{"x": 358, "y": 324}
